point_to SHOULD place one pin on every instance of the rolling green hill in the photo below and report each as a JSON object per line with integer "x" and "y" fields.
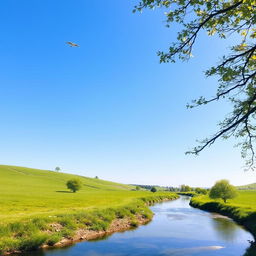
{"x": 248, "y": 187}
{"x": 35, "y": 202}
{"x": 25, "y": 192}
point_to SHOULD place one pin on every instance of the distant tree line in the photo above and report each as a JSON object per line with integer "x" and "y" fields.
{"x": 185, "y": 188}
{"x": 202, "y": 191}
{"x": 181, "y": 188}
{"x": 162, "y": 188}
{"x": 147, "y": 187}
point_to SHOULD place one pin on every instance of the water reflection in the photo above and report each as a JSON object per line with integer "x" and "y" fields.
{"x": 225, "y": 228}
{"x": 173, "y": 216}
{"x": 186, "y": 251}
{"x": 185, "y": 198}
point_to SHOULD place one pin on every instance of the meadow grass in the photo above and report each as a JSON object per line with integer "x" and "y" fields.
{"x": 242, "y": 208}
{"x": 36, "y": 207}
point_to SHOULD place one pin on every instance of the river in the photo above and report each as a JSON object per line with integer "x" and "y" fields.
{"x": 176, "y": 230}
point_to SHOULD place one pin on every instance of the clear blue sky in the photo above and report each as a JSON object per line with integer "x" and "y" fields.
{"x": 107, "y": 108}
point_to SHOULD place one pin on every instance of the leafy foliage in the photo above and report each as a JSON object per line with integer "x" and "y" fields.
{"x": 236, "y": 71}
{"x": 185, "y": 188}
{"x": 222, "y": 189}
{"x": 74, "y": 185}
{"x": 153, "y": 190}
{"x": 57, "y": 169}
{"x": 202, "y": 191}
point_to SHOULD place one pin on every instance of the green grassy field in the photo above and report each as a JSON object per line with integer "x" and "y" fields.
{"x": 25, "y": 192}
{"x": 31, "y": 200}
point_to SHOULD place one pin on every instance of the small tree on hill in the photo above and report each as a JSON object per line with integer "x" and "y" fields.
{"x": 74, "y": 185}
{"x": 57, "y": 169}
{"x": 137, "y": 188}
{"x": 222, "y": 189}
{"x": 201, "y": 191}
{"x": 153, "y": 189}
{"x": 96, "y": 177}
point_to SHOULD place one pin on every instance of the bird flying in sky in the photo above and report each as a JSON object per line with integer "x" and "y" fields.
{"x": 72, "y": 44}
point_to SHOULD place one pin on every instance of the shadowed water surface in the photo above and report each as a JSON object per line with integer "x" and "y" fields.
{"x": 176, "y": 230}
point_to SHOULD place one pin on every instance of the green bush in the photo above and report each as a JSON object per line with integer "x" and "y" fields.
{"x": 74, "y": 185}
{"x": 201, "y": 191}
{"x": 153, "y": 190}
{"x": 222, "y": 189}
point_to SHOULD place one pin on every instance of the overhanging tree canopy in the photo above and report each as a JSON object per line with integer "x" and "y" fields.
{"x": 236, "y": 71}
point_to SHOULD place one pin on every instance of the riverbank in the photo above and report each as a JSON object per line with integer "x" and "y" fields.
{"x": 242, "y": 210}
{"x": 191, "y": 193}
{"x": 117, "y": 225}
{"x": 64, "y": 229}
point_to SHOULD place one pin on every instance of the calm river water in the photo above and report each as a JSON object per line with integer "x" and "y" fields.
{"x": 176, "y": 230}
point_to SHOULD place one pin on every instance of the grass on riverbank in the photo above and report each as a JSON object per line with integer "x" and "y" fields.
{"x": 189, "y": 193}
{"x": 242, "y": 208}
{"x": 37, "y": 209}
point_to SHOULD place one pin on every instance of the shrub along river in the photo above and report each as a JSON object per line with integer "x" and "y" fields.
{"x": 176, "y": 230}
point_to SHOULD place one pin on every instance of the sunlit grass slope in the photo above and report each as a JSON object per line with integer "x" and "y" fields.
{"x": 30, "y": 192}
{"x": 34, "y": 202}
